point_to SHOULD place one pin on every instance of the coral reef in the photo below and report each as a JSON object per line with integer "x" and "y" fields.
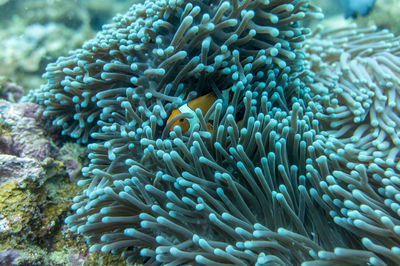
{"x": 9, "y": 91}
{"x": 9, "y": 257}
{"x": 27, "y": 51}
{"x": 26, "y": 136}
{"x": 36, "y": 192}
{"x": 300, "y": 165}
{"x": 74, "y": 157}
{"x": 34, "y": 33}
{"x": 384, "y": 16}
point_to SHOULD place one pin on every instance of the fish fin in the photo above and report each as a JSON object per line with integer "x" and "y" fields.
{"x": 226, "y": 95}
{"x": 209, "y": 127}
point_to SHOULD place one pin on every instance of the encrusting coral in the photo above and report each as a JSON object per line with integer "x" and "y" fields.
{"x": 35, "y": 193}
{"x": 296, "y": 168}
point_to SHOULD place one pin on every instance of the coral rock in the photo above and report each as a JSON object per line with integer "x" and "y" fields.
{"x": 19, "y": 169}
{"x": 23, "y": 134}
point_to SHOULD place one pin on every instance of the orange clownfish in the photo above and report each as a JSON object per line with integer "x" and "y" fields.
{"x": 204, "y": 103}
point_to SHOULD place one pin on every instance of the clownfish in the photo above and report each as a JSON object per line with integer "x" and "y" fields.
{"x": 204, "y": 103}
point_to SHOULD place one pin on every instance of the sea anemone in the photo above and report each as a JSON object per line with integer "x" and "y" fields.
{"x": 160, "y": 51}
{"x": 357, "y": 81}
{"x": 289, "y": 173}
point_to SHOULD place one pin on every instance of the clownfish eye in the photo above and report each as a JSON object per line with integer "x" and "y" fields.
{"x": 181, "y": 120}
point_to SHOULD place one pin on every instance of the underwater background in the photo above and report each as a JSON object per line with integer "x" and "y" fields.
{"x": 303, "y": 168}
